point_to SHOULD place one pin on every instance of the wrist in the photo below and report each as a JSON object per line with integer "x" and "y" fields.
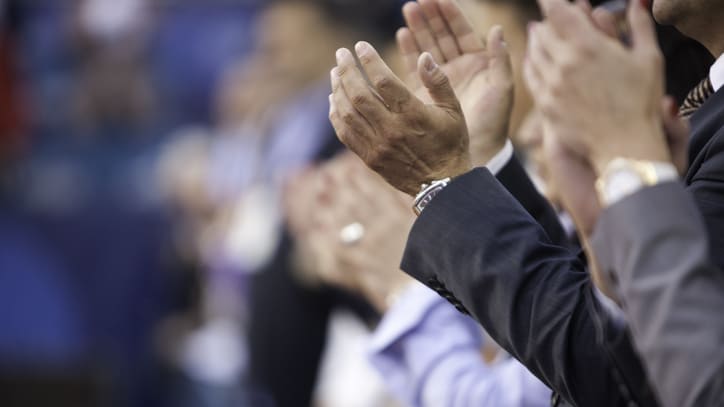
{"x": 645, "y": 144}
{"x": 481, "y": 155}
{"x": 462, "y": 165}
{"x": 434, "y": 184}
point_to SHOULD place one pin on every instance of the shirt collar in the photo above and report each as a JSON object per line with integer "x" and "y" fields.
{"x": 716, "y": 74}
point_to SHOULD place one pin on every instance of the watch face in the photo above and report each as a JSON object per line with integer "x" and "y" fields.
{"x": 622, "y": 182}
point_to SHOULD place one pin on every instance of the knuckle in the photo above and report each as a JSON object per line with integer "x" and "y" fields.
{"x": 440, "y": 79}
{"x": 383, "y": 153}
{"x": 382, "y": 83}
{"x": 365, "y": 58}
{"x": 342, "y": 70}
{"x": 348, "y": 118}
{"x": 359, "y": 100}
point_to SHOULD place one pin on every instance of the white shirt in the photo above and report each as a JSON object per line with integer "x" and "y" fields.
{"x": 716, "y": 74}
{"x": 429, "y": 356}
{"x": 501, "y": 158}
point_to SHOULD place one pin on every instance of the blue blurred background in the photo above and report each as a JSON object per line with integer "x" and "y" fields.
{"x": 143, "y": 145}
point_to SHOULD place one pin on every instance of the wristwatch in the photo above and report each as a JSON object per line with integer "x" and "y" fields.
{"x": 623, "y": 177}
{"x": 427, "y": 192}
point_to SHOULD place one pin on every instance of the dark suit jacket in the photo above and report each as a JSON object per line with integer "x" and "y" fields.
{"x": 476, "y": 245}
{"x": 672, "y": 297}
{"x": 481, "y": 249}
{"x": 705, "y": 178}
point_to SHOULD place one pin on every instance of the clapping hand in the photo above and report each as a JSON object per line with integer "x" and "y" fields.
{"x": 353, "y": 230}
{"x": 479, "y": 72}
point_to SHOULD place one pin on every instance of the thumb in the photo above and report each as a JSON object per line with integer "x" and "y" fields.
{"x": 436, "y": 82}
{"x": 500, "y": 64}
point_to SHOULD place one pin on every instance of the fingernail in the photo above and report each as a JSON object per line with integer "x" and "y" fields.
{"x": 430, "y": 64}
{"x": 503, "y": 43}
{"x": 362, "y": 47}
{"x": 340, "y": 53}
{"x": 645, "y": 4}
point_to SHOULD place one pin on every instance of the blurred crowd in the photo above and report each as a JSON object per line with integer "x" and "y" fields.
{"x": 144, "y": 147}
{"x": 180, "y": 224}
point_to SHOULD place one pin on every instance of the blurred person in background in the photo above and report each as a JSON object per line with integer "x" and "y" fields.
{"x": 289, "y": 317}
{"x": 270, "y": 122}
{"x": 427, "y": 352}
{"x": 86, "y": 235}
{"x": 43, "y": 349}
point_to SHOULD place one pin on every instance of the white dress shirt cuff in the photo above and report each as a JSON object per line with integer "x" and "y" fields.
{"x": 500, "y": 159}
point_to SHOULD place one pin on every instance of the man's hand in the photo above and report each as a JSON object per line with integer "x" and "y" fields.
{"x": 351, "y": 194}
{"x": 600, "y": 98}
{"x": 407, "y": 141}
{"x": 481, "y": 74}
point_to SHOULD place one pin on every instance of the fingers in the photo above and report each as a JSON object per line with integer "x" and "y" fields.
{"x": 348, "y": 123}
{"x": 540, "y": 59}
{"x": 605, "y": 21}
{"x": 643, "y": 32}
{"x": 442, "y": 34}
{"x": 461, "y": 28}
{"x": 500, "y": 64}
{"x": 584, "y": 5}
{"x": 416, "y": 22}
{"x": 568, "y": 20}
{"x": 436, "y": 82}
{"x": 383, "y": 80}
{"x": 532, "y": 77}
{"x": 410, "y": 53}
{"x": 356, "y": 87}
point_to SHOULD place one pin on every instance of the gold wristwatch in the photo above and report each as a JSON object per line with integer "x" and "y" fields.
{"x": 623, "y": 177}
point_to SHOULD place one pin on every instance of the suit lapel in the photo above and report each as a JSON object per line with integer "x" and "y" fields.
{"x": 708, "y": 120}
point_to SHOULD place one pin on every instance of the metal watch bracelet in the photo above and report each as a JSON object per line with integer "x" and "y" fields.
{"x": 427, "y": 193}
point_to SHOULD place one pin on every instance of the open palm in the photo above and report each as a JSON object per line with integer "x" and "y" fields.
{"x": 480, "y": 73}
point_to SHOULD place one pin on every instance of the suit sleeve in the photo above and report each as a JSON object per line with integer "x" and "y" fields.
{"x": 671, "y": 296}
{"x": 515, "y": 179}
{"x": 533, "y": 297}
